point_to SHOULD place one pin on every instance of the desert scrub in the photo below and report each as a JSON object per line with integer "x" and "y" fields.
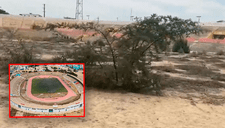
{"x": 181, "y": 46}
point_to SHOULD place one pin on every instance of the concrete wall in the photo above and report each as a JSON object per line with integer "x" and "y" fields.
{"x": 212, "y": 24}
{"x": 16, "y": 21}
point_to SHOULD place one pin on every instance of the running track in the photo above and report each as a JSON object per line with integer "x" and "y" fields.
{"x": 76, "y": 33}
{"x": 69, "y": 94}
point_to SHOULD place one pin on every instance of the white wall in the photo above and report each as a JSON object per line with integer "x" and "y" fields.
{"x": 72, "y": 107}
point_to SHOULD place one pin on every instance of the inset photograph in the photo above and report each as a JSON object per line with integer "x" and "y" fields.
{"x": 46, "y": 90}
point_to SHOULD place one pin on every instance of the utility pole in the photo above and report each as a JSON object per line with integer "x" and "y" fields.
{"x": 79, "y": 9}
{"x": 44, "y": 10}
{"x": 88, "y": 16}
{"x": 117, "y": 18}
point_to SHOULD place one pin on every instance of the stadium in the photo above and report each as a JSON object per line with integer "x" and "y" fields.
{"x": 47, "y": 93}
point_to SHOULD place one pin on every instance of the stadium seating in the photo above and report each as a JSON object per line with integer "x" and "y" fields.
{"x": 205, "y": 40}
{"x": 21, "y": 103}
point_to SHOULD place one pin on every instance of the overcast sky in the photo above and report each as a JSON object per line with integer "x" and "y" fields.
{"x": 210, "y": 10}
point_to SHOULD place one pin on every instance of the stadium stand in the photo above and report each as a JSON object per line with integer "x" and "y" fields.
{"x": 23, "y": 103}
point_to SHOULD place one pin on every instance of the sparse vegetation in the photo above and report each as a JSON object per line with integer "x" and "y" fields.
{"x": 19, "y": 53}
{"x": 222, "y": 65}
{"x": 140, "y": 42}
{"x": 196, "y": 70}
{"x": 3, "y": 11}
{"x": 221, "y": 52}
{"x": 203, "y": 53}
{"x": 165, "y": 69}
{"x": 194, "y": 54}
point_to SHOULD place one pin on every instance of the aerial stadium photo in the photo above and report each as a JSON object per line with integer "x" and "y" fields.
{"x": 46, "y": 90}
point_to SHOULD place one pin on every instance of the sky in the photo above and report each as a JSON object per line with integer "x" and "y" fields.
{"x": 209, "y": 10}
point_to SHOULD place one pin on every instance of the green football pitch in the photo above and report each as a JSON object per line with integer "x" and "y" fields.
{"x": 47, "y": 85}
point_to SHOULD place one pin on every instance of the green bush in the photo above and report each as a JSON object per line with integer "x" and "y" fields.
{"x": 181, "y": 46}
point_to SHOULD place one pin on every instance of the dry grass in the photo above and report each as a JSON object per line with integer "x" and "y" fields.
{"x": 13, "y": 112}
{"x": 221, "y": 65}
{"x": 194, "y": 54}
{"x": 215, "y": 100}
{"x": 221, "y": 52}
{"x": 34, "y": 35}
{"x": 183, "y": 59}
{"x": 202, "y": 53}
{"x": 211, "y": 60}
{"x": 188, "y": 85}
{"x": 196, "y": 70}
{"x": 165, "y": 69}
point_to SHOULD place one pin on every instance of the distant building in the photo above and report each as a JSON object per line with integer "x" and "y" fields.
{"x": 17, "y": 74}
{"x": 69, "y": 18}
{"x": 221, "y": 21}
{"x": 30, "y": 15}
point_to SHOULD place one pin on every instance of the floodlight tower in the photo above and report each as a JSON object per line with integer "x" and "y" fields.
{"x": 131, "y": 16}
{"x": 88, "y": 16}
{"x": 198, "y": 19}
{"x": 79, "y": 9}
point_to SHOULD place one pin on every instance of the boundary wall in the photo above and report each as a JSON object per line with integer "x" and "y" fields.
{"x": 53, "y": 110}
{"x": 21, "y": 22}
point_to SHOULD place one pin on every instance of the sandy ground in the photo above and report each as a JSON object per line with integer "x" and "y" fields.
{"x": 125, "y": 110}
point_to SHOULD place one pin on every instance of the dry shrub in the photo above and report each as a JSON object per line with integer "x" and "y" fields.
{"x": 29, "y": 114}
{"x": 183, "y": 59}
{"x": 58, "y": 59}
{"x": 13, "y": 112}
{"x": 193, "y": 54}
{"x": 99, "y": 78}
{"x": 141, "y": 37}
{"x": 213, "y": 99}
{"x": 196, "y": 70}
{"x": 165, "y": 68}
{"x": 187, "y": 84}
{"x": 202, "y": 53}
{"x": 181, "y": 46}
{"x": 219, "y": 77}
{"x": 41, "y": 38}
{"x": 211, "y": 59}
{"x": 222, "y": 65}
{"x": 17, "y": 55}
{"x": 221, "y": 52}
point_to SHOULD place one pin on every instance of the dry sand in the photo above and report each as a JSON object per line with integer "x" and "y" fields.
{"x": 128, "y": 110}
{"x": 123, "y": 110}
